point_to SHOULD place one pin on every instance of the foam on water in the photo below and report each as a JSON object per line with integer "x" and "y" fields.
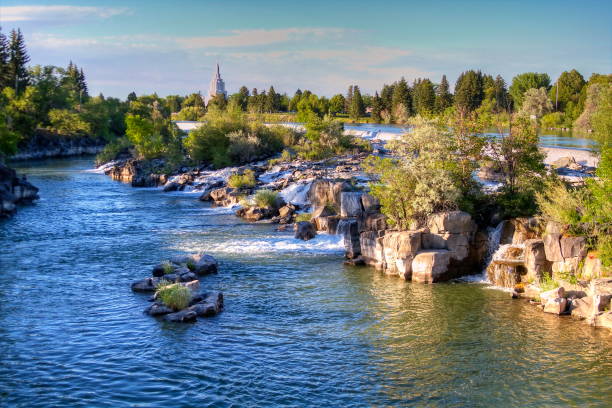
{"x": 297, "y": 193}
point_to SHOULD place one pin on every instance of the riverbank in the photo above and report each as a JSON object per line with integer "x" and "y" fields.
{"x": 14, "y": 190}
{"x": 46, "y": 145}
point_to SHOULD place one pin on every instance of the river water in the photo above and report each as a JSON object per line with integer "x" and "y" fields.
{"x": 299, "y": 327}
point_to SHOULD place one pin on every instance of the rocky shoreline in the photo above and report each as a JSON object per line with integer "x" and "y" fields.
{"x": 331, "y": 196}
{"x": 14, "y": 191}
{"x": 45, "y": 145}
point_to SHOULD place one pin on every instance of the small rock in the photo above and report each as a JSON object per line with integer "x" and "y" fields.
{"x": 205, "y": 265}
{"x": 158, "y": 309}
{"x": 145, "y": 285}
{"x": 183, "y": 316}
{"x": 555, "y": 306}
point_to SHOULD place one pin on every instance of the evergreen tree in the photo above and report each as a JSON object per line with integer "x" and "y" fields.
{"x": 82, "y": 83}
{"x": 243, "y": 97}
{"x": 444, "y": 98}
{"x": 424, "y": 96}
{"x": 469, "y": 91}
{"x": 4, "y": 60}
{"x": 500, "y": 93}
{"x": 357, "y": 109}
{"x": 386, "y": 96}
{"x": 349, "y": 98}
{"x": 272, "y": 103}
{"x": 18, "y": 59}
{"x": 401, "y": 95}
{"x": 377, "y": 108}
{"x": 132, "y": 96}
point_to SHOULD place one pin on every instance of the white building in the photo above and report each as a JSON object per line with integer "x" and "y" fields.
{"x": 217, "y": 86}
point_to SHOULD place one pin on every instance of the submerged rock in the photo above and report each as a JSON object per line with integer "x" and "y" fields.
{"x": 14, "y": 191}
{"x": 305, "y": 230}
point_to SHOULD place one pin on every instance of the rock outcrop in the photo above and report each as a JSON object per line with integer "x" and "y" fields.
{"x": 138, "y": 173}
{"x": 44, "y": 144}
{"x": 14, "y": 191}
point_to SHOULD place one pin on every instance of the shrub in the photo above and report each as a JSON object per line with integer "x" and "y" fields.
{"x": 66, "y": 122}
{"x": 174, "y": 295}
{"x": 168, "y": 268}
{"x": 548, "y": 283}
{"x": 266, "y": 198}
{"x": 244, "y": 180}
{"x": 113, "y": 149}
{"x": 303, "y": 217}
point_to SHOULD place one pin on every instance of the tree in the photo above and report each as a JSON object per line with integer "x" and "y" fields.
{"x": 195, "y": 99}
{"x": 272, "y": 103}
{"x": 444, "y": 99}
{"x": 18, "y": 60}
{"x": 595, "y": 98}
{"x": 357, "y": 108}
{"x": 424, "y": 96}
{"x": 377, "y": 108}
{"x": 469, "y": 91}
{"x": 500, "y": 93}
{"x": 4, "y": 60}
{"x": 242, "y": 98}
{"x": 522, "y": 82}
{"x": 132, "y": 96}
{"x": 141, "y": 132}
{"x": 566, "y": 93}
{"x": 536, "y": 103}
{"x": 521, "y": 164}
{"x": 386, "y": 95}
{"x": 401, "y": 95}
{"x": 349, "y": 99}
{"x": 337, "y": 104}
{"x": 293, "y": 103}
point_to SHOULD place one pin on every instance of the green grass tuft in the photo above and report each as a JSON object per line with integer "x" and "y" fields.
{"x": 174, "y": 295}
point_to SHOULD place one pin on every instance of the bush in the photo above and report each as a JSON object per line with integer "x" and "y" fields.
{"x": 174, "y": 295}
{"x": 548, "y": 283}
{"x": 66, "y": 122}
{"x": 244, "y": 180}
{"x": 266, "y": 198}
{"x": 168, "y": 268}
{"x": 113, "y": 149}
{"x": 303, "y": 217}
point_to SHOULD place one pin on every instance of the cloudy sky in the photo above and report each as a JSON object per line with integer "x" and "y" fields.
{"x": 171, "y": 46}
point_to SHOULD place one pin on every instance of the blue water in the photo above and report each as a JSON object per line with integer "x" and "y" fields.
{"x": 299, "y": 328}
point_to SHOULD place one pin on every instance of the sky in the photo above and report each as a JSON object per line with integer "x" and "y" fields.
{"x": 171, "y": 47}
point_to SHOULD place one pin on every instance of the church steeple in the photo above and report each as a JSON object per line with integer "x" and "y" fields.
{"x": 217, "y": 86}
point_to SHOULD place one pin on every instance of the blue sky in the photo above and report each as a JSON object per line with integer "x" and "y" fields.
{"x": 171, "y": 46}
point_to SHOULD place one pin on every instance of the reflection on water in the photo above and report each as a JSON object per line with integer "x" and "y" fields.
{"x": 299, "y": 329}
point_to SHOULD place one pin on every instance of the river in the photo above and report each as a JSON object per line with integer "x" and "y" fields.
{"x": 299, "y": 327}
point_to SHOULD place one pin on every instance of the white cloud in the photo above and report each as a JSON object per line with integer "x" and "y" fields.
{"x": 250, "y": 38}
{"x": 56, "y": 13}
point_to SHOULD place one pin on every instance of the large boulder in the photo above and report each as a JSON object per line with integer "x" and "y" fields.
{"x": 255, "y": 213}
{"x": 372, "y": 222}
{"x": 326, "y": 192}
{"x": 372, "y": 248}
{"x": 555, "y": 305}
{"x": 582, "y": 308}
{"x": 430, "y": 266}
{"x": 327, "y": 224}
{"x": 535, "y": 259}
{"x": 350, "y": 204}
{"x": 552, "y": 294}
{"x": 370, "y": 203}
{"x": 207, "y": 304}
{"x": 552, "y": 247}
{"x": 603, "y": 320}
{"x": 205, "y": 265}
{"x": 146, "y": 285}
{"x": 349, "y": 229}
{"x": 454, "y": 222}
{"x": 305, "y": 230}
{"x": 399, "y": 249}
{"x": 572, "y": 247}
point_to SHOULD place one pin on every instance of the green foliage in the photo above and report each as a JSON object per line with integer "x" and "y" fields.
{"x": 528, "y": 80}
{"x": 141, "y": 133}
{"x": 469, "y": 91}
{"x": 113, "y": 149}
{"x": 356, "y": 107}
{"x": 174, "y": 295}
{"x": 424, "y": 97}
{"x": 244, "y": 180}
{"x": 567, "y": 89}
{"x": 432, "y": 172}
{"x": 444, "y": 99}
{"x": 555, "y": 120}
{"x": 548, "y": 283}
{"x": 535, "y": 103}
{"x": 266, "y": 198}
{"x": 303, "y": 217}
{"x": 191, "y": 265}
{"x": 190, "y": 113}
{"x": 168, "y": 268}
{"x": 323, "y": 138}
{"x": 69, "y": 123}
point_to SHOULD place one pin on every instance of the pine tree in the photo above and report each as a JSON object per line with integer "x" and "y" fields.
{"x": 272, "y": 100}
{"x": 377, "y": 108}
{"x": 293, "y": 103}
{"x": 401, "y": 95}
{"x": 424, "y": 96}
{"x": 132, "y": 96}
{"x": 349, "y": 98}
{"x": 469, "y": 91}
{"x": 18, "y": 59}
{"x": 444, "y": 98}
{"x": 357, "y": 109}
{"x": 386, "y": 95}
{"x": 4, "y": 60}
{"x": 82, "y": 83}
{"x": 502, "y": 99}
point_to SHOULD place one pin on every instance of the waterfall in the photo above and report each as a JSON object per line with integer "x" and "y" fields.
{"x": 494, "y": 240}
